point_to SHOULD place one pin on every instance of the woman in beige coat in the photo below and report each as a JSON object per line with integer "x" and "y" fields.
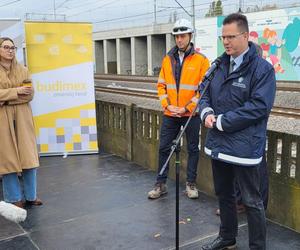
{"x": 18, "y": 151}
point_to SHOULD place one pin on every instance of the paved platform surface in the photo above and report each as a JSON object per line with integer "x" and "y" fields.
{"x": 99, "y": 202}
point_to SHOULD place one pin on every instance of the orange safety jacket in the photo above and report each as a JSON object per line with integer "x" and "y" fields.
{"x": 193, "y": 69}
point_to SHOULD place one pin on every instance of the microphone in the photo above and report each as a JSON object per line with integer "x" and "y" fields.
{"x": 213, "y": 67}
{"x": 209, "y": 75}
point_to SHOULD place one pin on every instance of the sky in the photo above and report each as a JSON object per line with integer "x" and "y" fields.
{"x": 112, "y": 14}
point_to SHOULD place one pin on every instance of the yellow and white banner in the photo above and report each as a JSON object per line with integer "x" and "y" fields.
{"x": 60, "y": 59}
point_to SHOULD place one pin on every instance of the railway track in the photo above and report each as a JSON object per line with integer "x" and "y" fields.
{"x": 286, "y": 112}
{"x": 152, "y": 94}
{"x": 126, "y": 78}
{"x": 128, "y": 91}
{"x": 290, "y": 86}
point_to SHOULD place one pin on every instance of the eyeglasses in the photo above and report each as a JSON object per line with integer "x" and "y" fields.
{"x": 230, "y": 37}
{"x": 8, "y": 48}
{"x": 180, "y": 29}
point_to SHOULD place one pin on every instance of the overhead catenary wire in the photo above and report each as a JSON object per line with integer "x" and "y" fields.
{"x": 122, "y": 18}
{"x": 167, "y": 8}
{"x": 60, "y": 5}
{"x": 86, "y": 4}
{"x": 91, "y": 10}
{"x": 183, "y": 8}
{"x": 91, "y": 2}
{"x": 6, "y": 4}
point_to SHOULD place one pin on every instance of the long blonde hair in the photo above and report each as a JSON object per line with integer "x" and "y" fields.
{"x": 18, "y": 72}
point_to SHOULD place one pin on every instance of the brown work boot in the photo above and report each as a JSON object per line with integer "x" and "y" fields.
{"x": 19, "y": 204}
{"x": 158, "y": 190}
{"x": 36, "y": 202}
{"x": 191, "y": 190}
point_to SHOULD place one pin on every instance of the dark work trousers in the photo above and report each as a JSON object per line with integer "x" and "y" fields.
{"x": 169, "y": 130}
{"x": 264, "y": 184}
{"x": 248, "y": 179}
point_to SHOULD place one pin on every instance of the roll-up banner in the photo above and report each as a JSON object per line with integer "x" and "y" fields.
{"x": 60, "y": 59}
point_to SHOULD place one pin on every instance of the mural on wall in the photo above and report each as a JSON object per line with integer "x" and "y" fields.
{"x": 277, "y": 32}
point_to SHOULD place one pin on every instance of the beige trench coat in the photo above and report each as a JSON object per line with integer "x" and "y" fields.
{"x": 18, "y": 148}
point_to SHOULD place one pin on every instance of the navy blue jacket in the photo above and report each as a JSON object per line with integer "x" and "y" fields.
{"x": 242, "y": 102}
{"x": 178, "y": 66}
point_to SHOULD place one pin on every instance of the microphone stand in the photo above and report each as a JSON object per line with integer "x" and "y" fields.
{"x": 176, "y": 143}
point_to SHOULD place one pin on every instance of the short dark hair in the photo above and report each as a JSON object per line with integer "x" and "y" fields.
{"x": 239, "y": 19}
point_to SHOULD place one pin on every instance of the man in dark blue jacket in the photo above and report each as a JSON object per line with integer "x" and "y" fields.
{"x": 236, "y": 108}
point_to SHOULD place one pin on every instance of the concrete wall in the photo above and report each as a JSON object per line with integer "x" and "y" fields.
{"x": 158, "y": 52}
{"x": 111, "y": 53}
{"x": 99, "y": 57}
{"x": 140, "y": 54}
{"x": 133, "y": 32}
{"x": 170, "y": 42}
{"x": 136, "y": 51}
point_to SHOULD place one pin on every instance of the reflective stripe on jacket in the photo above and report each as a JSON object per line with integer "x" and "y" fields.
{"x": 193, "y": 69}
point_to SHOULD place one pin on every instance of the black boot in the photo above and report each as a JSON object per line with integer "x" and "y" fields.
{"x": 220, "y": 244}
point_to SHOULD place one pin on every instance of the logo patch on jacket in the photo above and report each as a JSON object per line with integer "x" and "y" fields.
{"x": 190, "y": 68}
{"x": 239, "y": 83}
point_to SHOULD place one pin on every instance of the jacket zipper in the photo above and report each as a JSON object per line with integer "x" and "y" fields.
{"x": 180, "y": 79}
{"x": 172, "y": 59}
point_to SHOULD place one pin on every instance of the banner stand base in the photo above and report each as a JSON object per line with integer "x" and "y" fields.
{"x": 66, "y": 154}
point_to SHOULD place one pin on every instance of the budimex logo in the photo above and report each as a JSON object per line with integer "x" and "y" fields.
{"x": 60, "y": 86}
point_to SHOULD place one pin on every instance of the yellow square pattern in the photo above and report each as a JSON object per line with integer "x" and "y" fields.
{"x": 69, "y": 146}
{"x": 77, "y": 138}
{"x": 60, "y": 131}
{"x": 87, "y": 121}
{"x": 93, "y": 145}
{"x": 44, "y": 147}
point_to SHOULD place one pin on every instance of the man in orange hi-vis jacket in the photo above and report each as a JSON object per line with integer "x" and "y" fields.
{"x": 182, "y": 71}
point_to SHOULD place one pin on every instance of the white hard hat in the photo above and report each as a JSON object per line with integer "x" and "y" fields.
{"x": 182, "y": 26}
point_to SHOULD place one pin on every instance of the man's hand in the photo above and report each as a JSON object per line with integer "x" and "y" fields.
{"x": 176, "y": 111}
{"x": 181, "y": 110}
{"x": 209, "y": 121}
{"x": 24, "y": 90}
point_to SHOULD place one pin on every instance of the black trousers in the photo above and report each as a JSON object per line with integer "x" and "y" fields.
{"x": 264, "y": 184}
{"x": 169, "y": 131}
{"x": 248, "y": 179}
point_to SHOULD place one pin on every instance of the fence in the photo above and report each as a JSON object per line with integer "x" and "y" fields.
{"x": 133, "y": 133}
